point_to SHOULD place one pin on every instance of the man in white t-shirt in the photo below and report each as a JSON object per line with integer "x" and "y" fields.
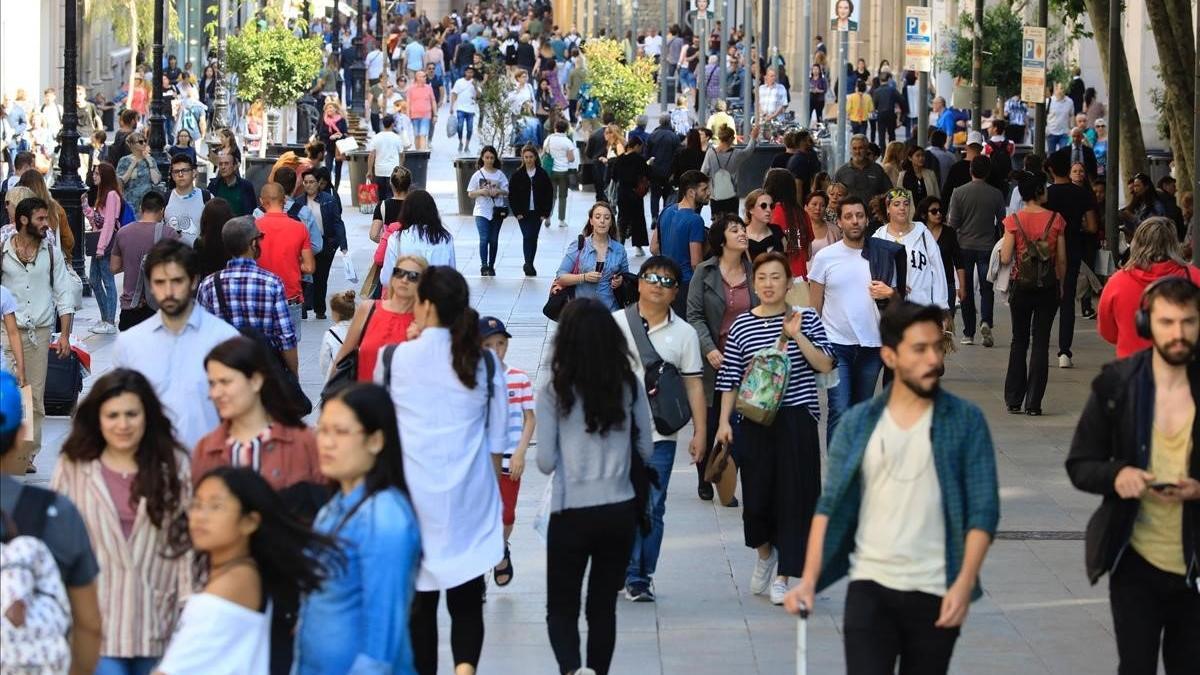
{"x": 912, "y": 535}
{"x": 375, "y": 62}
{"x": 653, "y": 44}
{"x": 384, "y": 153}
{"x": 844, "y": 293}
{"x": 463, "y": 104}
{"x": 675, "y": 341}
{"x": 185, "y": 204}
{"x": 562, "y": 149}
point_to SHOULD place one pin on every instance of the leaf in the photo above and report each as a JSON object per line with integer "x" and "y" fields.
{"x": 623, "y": 89}
{"x": 272, "y": 64}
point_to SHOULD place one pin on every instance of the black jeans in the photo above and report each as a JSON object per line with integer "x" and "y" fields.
{"x": 333, "y": 164}
{"x": 660, "y": 198}
{"x": 531, "y": 227}
{"x": 1150, "y": 606}
{"x": 883, "y": 625}
{"x": 315, "y": 293}
{"x": 1032, "y": 314}
{"x": 465, "y": 604}
{"x": 603, "y": 535}
{"x": 976, "y": 260}
{"x": 885, "y": 128}
{"x": 1066, "y": 306}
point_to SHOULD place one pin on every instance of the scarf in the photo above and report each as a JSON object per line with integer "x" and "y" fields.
{"x": 332, "y": 123}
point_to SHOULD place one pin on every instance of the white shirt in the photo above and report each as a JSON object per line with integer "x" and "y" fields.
{"x": 409, "y": 241}
{"x": 676, "y": 343}
{"x": 926, "y": 278}
{"x": 900, "y": 542}
{"x": 8, "y": 305}
{"x": 558, "y": 145}
{"x": 771, "y": 98}
{"x": 183, "y": 214}
{"x": 466, "y": 91}
{"x": 519, "y": 97}
{"x": 388, "y": 148}
{"x": 849, "y": 314}
{"x": 174, "y": 365}
{"x": 447, "y": 447}
{"x": 331, "y": 343}
{"x": 36, "y": 304}
{"x": 484, "y": 205}
{"x": 652, "y": 46}
{"x": 375, "y": 62}
{"x": 213, "y": 625}
{"x": 1058, "y": 116}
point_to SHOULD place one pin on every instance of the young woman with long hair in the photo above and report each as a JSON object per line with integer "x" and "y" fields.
{"x": 489, "y": 188}
{"x": 595, "y": 270}
{"x": 926, "y": 279}
{"x": 251, "y": 553}
{"x": 931, "y": 212}
{"x": 451, "y": 404}
{"x": 104, "y": 215}
{"x": 129, "y": 477}
{"x": 423, "y": 234}
{"x": 591, "y": 415}
{"x": 359, "y": 617}
{"x": 330, "y": 129}
{"x": 780, "y": 185}
{"x": 762, "y": 234}
{"x": 213, "y": 256}
{"x": 379, "y": 323}
{"x": 60, "y": 228}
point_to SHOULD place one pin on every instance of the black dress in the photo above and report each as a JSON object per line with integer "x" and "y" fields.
{"x": 772, "y": 242}
{"x": 628, "y": 170}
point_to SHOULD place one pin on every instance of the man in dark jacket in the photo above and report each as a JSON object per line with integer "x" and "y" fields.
{"x": 231, "y": 187}
{"x": 661, "y": 147}
{"x": 805, "y": 164}
{"x": 886, "y": 98}
{"x": 1135, "y": 445}
{"x": 594, "y": 150}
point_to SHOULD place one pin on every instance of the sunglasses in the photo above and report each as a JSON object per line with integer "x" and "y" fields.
{"x": 139, "y": 142}
{"x": 766, "y": 206}
{"x": 659, "y": 280}
{"x": 407, "y": 275}
{"x": 935, "y": 211}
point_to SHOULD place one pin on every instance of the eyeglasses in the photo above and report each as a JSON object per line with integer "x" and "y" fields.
{"x": 659, "y": 280}
{"x": 408, "y": 275}
{"x": 935, "y": 211}
{"x": 766, "y": 206}
{"x": 181, "y": 172}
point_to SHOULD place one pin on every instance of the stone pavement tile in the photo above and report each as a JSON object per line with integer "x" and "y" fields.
{"x": 718, "y": 649}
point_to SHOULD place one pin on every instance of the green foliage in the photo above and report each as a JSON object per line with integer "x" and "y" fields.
{"x": 622, "y": 89}
{"x": 272, "y": 64}
{"x": 117, "y": 12}
{"x": 1001, "y": 49}
{"x": 496, "y": 121}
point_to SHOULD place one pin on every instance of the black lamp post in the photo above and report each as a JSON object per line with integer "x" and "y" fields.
{"x": 159, "y": 108}
{"x": 68, "y": 189}
{"x": 358, "y": 72}
{"x": 306, "y": 103}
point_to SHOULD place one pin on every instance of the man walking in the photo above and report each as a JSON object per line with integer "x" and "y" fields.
{"x": 284, "y": 247}
{"x": 654, "y": 333}
{"x": 130, "y": 246}
{"x": 231, "y": 187}
{"x": 975, "y": 211}
{"x": 1135, "y": 445}
{"x": 862, "y": 177}
{"x": 680, "y": 235}
{"x": 909, "y": 508}
{"x": 385, "y": 152}
{"x": 1077, "y": 205}
{"x": 661, "y": 147}
{"x": 185, "y": 204}
{"x": 177, "y": 338}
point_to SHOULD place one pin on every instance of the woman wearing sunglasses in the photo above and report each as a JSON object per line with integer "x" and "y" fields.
{"x": 380, "y": 323}
{"x": 762, "y": 235}
{"x": 137, "y": 171}
{"x": 931, "y": 212}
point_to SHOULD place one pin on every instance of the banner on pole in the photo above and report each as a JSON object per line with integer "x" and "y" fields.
{"x": 918, "y": 38}
{"x": 1033, "y": 65}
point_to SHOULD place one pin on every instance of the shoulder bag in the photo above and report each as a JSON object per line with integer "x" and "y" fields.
{"x": 345, "y": 372}
{"x": 560, "y": 295}
{"x": 669, "y": 406}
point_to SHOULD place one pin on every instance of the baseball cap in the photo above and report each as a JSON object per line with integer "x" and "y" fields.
{"x": 975, "y": 138}
{"x": 489, "y": 326}
{"x": 10, "y": 404}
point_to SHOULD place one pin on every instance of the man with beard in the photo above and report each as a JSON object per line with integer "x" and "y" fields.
{"x": 1135, "y": 446}
{"x": 36, "y": 273}
{"x": 908, "y": 510}
{"x": 169, "y": 347}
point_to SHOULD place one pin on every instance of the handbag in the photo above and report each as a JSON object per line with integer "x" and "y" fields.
{"x": 345, "y": 372}
{"x": 669, "y": 408}
{"x": 716, "y": 460}
{"x": 346, "y": 144}
{"x": 1104, "y": 263}
{"x": 451, "y": 126}
{"x": 560, "y": 295}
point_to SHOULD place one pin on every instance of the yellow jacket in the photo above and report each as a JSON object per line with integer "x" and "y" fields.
{"x": 859, "y": 106}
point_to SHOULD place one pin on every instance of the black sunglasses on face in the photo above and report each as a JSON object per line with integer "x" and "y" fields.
{"x": 935, "y": 211}
{"x": 659, "y": 280}
{"x": 408, "y": 275}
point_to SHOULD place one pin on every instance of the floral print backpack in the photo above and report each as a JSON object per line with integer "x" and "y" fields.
{"x": 766, "y": 380}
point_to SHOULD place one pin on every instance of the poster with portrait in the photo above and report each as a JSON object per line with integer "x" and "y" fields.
{"x": 699, "y": 10}
{"x": 845, "y": 16}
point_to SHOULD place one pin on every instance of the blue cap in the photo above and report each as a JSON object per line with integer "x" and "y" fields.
{"x": 10, "y": 403}
{"x": 490, "y": 325}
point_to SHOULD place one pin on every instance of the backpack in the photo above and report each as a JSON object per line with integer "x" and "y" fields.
{"x": 127, "y": 214}
{"x": 1001, "y": 160}
{"x": 669, "y": 406}
{"x": 1035, "y": 264}
{"x": 722, "y": 180}
{"x": 766, "y": 380}
{"x": 142, "y": 298}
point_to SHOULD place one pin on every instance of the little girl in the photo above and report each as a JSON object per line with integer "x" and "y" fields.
{"x": 342, "y": 307}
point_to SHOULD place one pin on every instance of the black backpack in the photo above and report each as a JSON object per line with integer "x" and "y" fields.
{"x": 1001, "y": 162}
{"x": 664, "y": 385}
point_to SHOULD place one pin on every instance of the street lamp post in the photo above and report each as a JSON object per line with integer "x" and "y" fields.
{"x": 220, "y": 118}
{"x": 68, "y": 189}
{"x": 358, "y": 72}
{"x": 159, "y": 108}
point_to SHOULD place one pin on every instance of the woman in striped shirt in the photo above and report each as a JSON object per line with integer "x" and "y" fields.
{"x": 780, "y": 463}
{"x": 123, "y": 468}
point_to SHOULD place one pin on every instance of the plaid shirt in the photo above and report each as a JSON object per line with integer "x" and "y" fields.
{"x": 255, "y": 298}
{"x": 965, "y": 462}
{"x": 771, "y": 98}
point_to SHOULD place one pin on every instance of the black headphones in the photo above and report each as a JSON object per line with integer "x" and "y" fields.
{"x": 1141, "y": 320}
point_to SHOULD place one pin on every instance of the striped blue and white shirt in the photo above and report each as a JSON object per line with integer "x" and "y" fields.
{"x": 750, "y": 333}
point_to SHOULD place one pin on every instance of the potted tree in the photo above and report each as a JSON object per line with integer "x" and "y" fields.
{"x": 496, "y": 126}
{"x": 625, "y": 90}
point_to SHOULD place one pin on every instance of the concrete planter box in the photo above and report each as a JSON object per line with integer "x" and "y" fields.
{"x": 257, "y": 171}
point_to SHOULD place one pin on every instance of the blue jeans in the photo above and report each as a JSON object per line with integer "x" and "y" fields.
{"x": 489, "y": 239}
{"x": 466, "y": 123}
{"x": 643, "y": 559}
{"x": 1056, "y": 141}
{"x": 104, "y": 285}
{"x": 976, "y": 262}
{"x": 858, "y": 371}
{"x": 132, "y": 665}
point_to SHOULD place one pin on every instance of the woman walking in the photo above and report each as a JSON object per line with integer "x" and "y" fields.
{"x": 379, "y": 323}
{"x": 489, "y": 188}
{"x": 629, "y": 171}
{"x": 328, "y": 212}
{"x": 761, "y": 233}
{"x": 591, "y": 416}
{"x": 787, "y": 215}
{"x": 105, "y": 217}
{"x": 595, "y": 264}
{"x": 332, "y": 129}
{"x": 780, "y": 462}
{"x": 917, "y": 178}
{"x": 931, "y": 212}
{"x": 358, "y": 619}
{"x": 129, "y": 477}
{"x": 722, "y": 163}
{"x": 531, "y": 194}
{"x": 926, "y": 277}
{"x": 824, "y": 233}
{"x": 451, "y": 405}
{"x": 137, "y": 171}
{"x": 423, "y": 235}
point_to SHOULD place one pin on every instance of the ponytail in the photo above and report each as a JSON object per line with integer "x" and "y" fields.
{"x": 450, "y": 295}
{"x": 466, "y": 347}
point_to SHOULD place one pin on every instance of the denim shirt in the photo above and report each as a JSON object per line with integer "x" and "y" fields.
{"x": 358, "y": 621}
{"x": 615, "y": 262}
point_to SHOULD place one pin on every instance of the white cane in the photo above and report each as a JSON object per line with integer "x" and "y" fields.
{"x": 802, "y": 641}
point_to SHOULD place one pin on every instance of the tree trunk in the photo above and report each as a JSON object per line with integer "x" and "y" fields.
{"x": 1177, "y": 62}
{"x": 1133, "y": 146}
{"x": 133, "y": 48}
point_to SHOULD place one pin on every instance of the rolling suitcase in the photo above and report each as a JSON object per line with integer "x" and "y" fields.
{"x": 64, "y": 381}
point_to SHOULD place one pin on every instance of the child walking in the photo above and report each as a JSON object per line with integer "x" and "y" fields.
{"x": 341, "y": 305}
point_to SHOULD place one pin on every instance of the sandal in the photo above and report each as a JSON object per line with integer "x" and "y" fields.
{"x": 504, "y": 569}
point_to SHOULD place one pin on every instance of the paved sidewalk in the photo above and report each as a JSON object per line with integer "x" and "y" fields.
{"x": 1038, "y": 614}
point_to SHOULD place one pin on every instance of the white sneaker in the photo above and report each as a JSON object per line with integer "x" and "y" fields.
{"x": 763, "y": 571}
{"x": 968, "y": 340}
{"x": 641, "y": 253}
{"x": 1064, "y": 361}
{"x": 585, "y": 671}
{"x": 985, "y": 332}
{"x": 103, "y": 328}
{"x": 779, "y": 588}
{"x": 562, "y": 223}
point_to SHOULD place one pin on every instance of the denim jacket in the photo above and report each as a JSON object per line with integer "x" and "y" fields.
{"x": 357, "y": 622}
{"x": 965, "y": 462}
{"x": 615, "y": 262}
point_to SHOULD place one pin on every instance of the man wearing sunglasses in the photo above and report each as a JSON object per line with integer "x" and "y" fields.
{"x": 665, "y": 338}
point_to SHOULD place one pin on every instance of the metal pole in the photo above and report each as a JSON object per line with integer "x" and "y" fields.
{"x": 776, "y": 19}
{"x": 702, "y": 78}
{"x": 68, "y": 189}
{"x": 1195, "y": 224}
{"x": 359, "y": 69}
{"x": 596, "y": 18}
{"x": 1039, "y": 131}
{"x": 922, "y": 111}
{"x": 220, "y": 118}
{"x": 1112, "y": 189}
{"x": 806, "y": 63}
{"x": 722, "y": 64}
{"x": 663, "y": 72}
{"x": 845, "y": 88}
{"x": 159, "y": 108}
{"x": 748, "y": 15}
{"x": 977, "y": 69}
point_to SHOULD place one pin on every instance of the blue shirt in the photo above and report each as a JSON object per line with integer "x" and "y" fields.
{"x": 358, "y": 620}
{"x": 615, "y": 262}
{"x": 677, "y": 228}
{"x": 255, "y": 299}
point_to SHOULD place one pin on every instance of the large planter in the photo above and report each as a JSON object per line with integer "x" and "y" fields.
{"x": 417, "y": 163}
{"x": 257, "y": 171}
{"x": 357, "y": 160}
{"x": 750, "y": 174}
{"x": 274, "y": 150}
{"x": 465, "y": 167}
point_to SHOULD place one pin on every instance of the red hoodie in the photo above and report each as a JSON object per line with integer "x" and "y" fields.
{"x": 1122, "y": 297}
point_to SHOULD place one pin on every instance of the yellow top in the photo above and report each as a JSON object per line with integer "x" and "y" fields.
{"x": 719, "y": 119}
{"x": 859, "y": 106}
{"x": 1158, "y": 530}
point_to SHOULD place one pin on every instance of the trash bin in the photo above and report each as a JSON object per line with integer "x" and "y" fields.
{"x": 1159, "y": 163}
{"x": 357, "y": 160}
{"x": 464, "y": 167}
{"x": 417, "y": 162}
{"x": 257, "y": 171}
{"x": 274, "y": 150}
{"x": 750, "y": 174}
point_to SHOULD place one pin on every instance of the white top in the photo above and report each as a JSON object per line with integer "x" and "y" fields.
{"x": 901, "y": 538}
{"x": 388, "y": 148}
{"x": 8, "y": 305}
{"x": 558, "y": 145}
{"x": 331, "y": 343}
{"x": 676, "y": 342}
{"x": 375, "y": 62}
{"x": 1014, "y": 203}
{"x": 183, "y": 214}
{"x": 849, "y": 314}
{"x": 409, "y": 241}
{"x": 176, "y": 367}
{"x": 211, "y": 626}
{"x": 652, "y": 45}
{"x": 466, "y": 91}
{"x": 520, "y": 96}
{"x": 447, "y": 447}
{"x": 926, "y": 278}
{"x": 1058, "y": 115}
{"x": 483, "y": 178}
